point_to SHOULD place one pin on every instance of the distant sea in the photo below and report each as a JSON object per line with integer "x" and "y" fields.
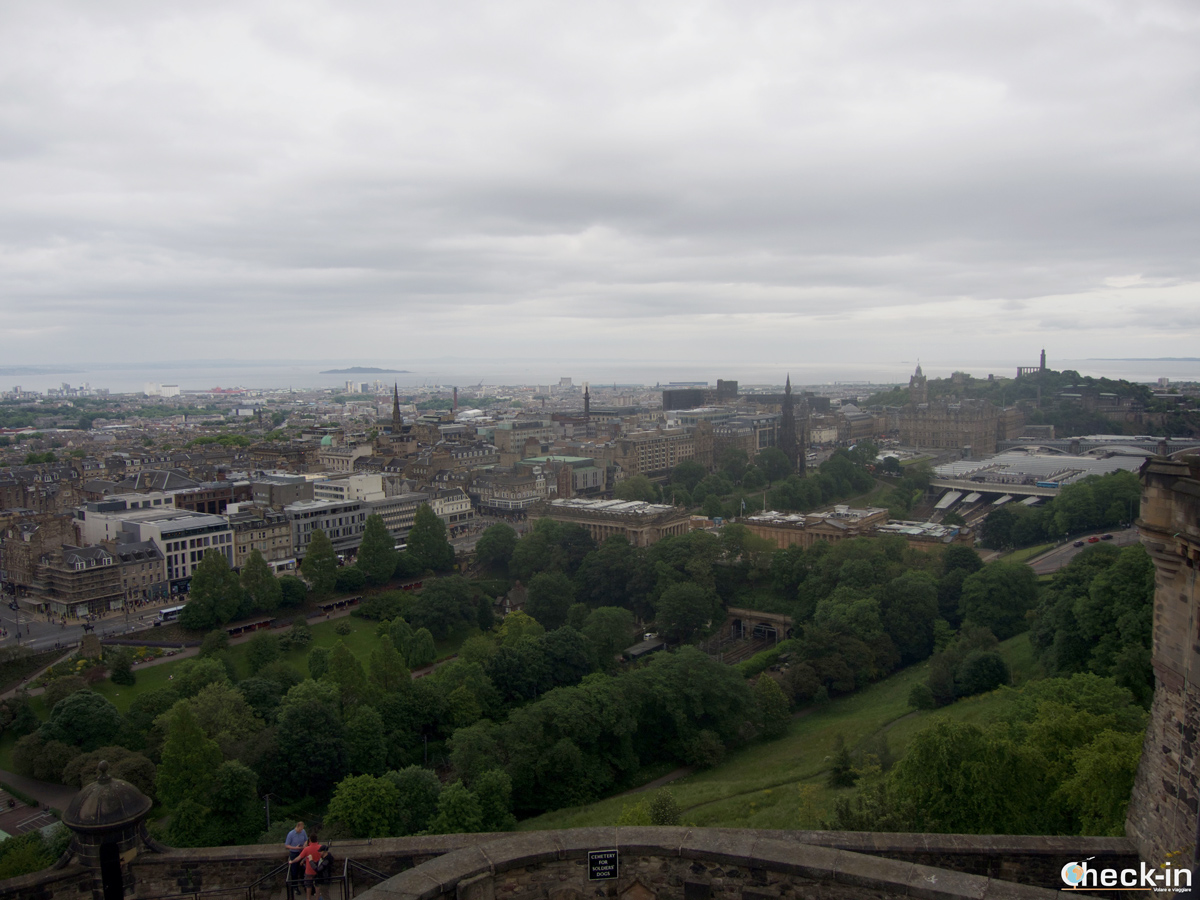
{"x": 202, "y": 375}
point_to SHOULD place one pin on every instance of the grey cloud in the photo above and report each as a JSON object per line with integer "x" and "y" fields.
{"x": 491, "y": 169}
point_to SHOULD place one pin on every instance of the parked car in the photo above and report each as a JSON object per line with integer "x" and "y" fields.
{"x": 1106, "y": 537}
{"x": 1078, "y": 543}
{"x": 1093, "y": 540}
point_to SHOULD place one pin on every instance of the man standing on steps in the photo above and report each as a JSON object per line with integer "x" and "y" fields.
{"x": 295, "y": 841}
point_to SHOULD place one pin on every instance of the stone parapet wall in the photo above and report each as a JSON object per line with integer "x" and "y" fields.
{"x": 1028, "y": 860}
{"x": 682, "y": 864}
{"x": 71, "y": 883}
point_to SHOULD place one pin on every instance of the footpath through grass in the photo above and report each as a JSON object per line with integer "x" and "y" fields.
{"x": 781, "y": 784}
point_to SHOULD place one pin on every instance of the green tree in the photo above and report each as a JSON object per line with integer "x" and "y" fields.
{"x": 189, "y": 759}
{"x": 215, "y": 594}
{"x": 365, "y": 744}
{"x": 419, "y": 790}
{"x": 366, "y": 805}
{"x": 688, "y": 474}
{"x": 260, "y": 587}
{"x": 732, "y": 463}
{"x": 62, "y": 687}
{"x": 998, "y": 596}
{"x": 459, "y": 811}
{"x": 610, "y": 630}
{"x": 234, "y": 810}
{"x": 293, "y": 591}
{"x": 311, "y": 756}
{"x": 420, "y": 651}
{"x": 120, "y": 667}
{"x": 83, "y": 719}
{"x": 842, "y": 773}
{"x": 683, "y": 609}
{"x": 910, "y": 607}
{"x": 347, "y": 673}
{"x": 320, "y": 564}
{"x": 386, "y": 669}
{"x": 771, "y": 706}
{"x": 982, "y": 670}
{"x": 224, "y": 716}
{"x": 495, "y": 547}
{"x": 349, "y": 579}
{"x": 214, "y": 643}
{"x": 550, "y": 597}
{"x": 957, "y": 779}
{"x": 262, "y": 650}
{"x": 377, "y": 555}
{"x": 445, "y": 606}
{"x": 636, "y": 487}
{"x": 493, "y": 788}
{"x": 1102, "y": 782}
{"x": 774, "y": 464}
{"x": 427, "y": 542}
{"x": 318, "y": 662}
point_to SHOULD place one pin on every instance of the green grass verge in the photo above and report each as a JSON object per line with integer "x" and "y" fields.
{"x": 1027, "y": 553}
{"x": 781, "y": 784}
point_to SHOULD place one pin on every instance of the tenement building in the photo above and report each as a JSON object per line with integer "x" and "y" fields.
{"x": 80, "y": 581}
{"x": 642, "y": 524}
{"x": 265, "y": 530}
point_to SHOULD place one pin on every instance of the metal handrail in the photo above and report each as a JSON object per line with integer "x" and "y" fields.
{"x": 363, "y": 867}
{"x": 346, "y": 880}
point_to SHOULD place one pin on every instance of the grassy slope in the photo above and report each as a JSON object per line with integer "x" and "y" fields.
{"x": 781, "y": 784}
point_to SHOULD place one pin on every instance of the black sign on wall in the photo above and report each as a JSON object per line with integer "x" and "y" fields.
{"x": 602, "y": 864}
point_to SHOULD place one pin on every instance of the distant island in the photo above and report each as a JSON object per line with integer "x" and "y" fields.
{"x": 365, "y": 370}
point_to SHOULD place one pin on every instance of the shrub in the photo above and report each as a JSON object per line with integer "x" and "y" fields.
{"x": 921, "y": 697}
{"x": 122, "y": 667}
{"x": 343, "y": 628}
{"x": 664, "y": 808}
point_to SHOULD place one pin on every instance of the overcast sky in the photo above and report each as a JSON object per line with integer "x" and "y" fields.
{"x": 770, "y": 181}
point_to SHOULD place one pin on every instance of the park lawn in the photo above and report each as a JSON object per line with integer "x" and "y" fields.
{"x": 781, "y": 784}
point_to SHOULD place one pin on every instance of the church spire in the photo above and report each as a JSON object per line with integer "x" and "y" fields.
{"x": 397, "y": 422}
{"x": 787, "y": 426}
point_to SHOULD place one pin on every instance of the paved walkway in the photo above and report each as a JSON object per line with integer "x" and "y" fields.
{"x": 57, "y": 796}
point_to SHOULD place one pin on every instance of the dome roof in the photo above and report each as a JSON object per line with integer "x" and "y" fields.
{"x": 105, "y": 804}
{"x": 327, "y": 441}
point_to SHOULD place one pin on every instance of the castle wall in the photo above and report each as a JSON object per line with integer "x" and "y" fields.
{"x": 1162, "y": 817}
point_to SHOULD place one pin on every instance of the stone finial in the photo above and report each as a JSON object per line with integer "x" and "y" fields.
{"x": 102, "y": 768}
